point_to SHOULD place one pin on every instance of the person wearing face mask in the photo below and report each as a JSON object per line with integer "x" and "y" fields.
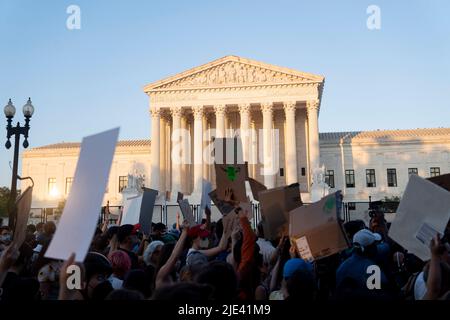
{"x": 5, "y": 237}
{"x": 127, "y": 238}
{"x": 200, "y": 242}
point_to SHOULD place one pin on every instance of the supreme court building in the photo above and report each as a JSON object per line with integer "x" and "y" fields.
{"x": 236, "y": 96}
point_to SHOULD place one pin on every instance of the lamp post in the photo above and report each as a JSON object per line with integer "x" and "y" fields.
{"x": 16, "y": 132}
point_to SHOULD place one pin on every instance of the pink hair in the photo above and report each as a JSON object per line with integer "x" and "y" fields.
{"x": 120, "y": 262}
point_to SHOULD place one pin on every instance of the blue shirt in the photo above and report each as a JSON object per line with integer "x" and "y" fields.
{"x": 355, "y": 268}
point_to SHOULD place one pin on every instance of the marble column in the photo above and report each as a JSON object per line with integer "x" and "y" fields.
{"x": 162, "y": 152}
{"x": 205, "y": 142}
{"x": 253, "y": 149}
{"x": 176, "y": 156}
{"x": 198, "y": 148}
{"x": 245, "y": 133}
{"x": 312, "y": 109}
{"x": 220, "y": 120}
{"x": 186, "y": 154}
{"x": 269, "y": 176}
{"x": 290, "y": 143}
{"x": 155, "y": 145}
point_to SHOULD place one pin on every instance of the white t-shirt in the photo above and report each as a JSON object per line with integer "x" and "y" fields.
{"x": 116, "y": 283}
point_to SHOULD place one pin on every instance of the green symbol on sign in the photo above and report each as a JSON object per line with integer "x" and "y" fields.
{"x": 231, "y": 173}
{"x": 329, "y": 205}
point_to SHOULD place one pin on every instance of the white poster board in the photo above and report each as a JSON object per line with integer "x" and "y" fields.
{"x": 423, "y": 211}
{"x": 131, "y": 210}
{"x": 81, "y": 212}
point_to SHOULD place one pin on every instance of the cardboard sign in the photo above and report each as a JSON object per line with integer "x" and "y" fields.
{"x": 224, "y": 207}
{"x": 423, "y": 212}
{"x": 256, "y": 188}
{"x": 443, "y": 181}
{"x": 186, "y": 211}
{"x": 147, "y": 207}
{"x": 139, "y": 209}
{"x": 206, "y": 199}
{"x": 231, "y": 176}
{"x": 79, "y": 219}
{"x": 23, "y": 207}
{"x": 247, "y": 207}
{"x": 275, "y": 205}
{"x": 316, "y": 229}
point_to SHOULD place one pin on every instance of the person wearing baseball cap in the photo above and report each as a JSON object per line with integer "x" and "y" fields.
{"x": 200, "y": 242}
{"x": 352, "y": 275}
{"x": 298, "y": 280}
{"x": 127, "y": 238}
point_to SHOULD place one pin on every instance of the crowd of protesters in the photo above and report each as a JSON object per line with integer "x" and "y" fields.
{"x": 225, "y": 260}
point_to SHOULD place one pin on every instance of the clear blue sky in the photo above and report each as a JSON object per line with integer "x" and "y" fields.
{"x": 84, "y": 81}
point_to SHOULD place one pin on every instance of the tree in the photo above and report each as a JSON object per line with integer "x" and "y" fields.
{"x": 4, "y": 198}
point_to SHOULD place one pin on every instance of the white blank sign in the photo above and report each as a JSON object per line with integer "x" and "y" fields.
{"x": 423, "y": 212}
{"x": 81, "y": 212}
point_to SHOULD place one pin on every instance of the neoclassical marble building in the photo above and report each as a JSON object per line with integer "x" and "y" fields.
{"x": 274, "y": 110}
{"x": 237, "y": 96}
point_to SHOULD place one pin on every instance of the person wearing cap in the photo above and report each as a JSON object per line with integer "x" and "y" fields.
{"x": 200, "y": 242}
{"x": 353, "y": 273}
{"x": 160, "y": 233}
{"x": 127, "y": 238}
{"x": 298, "y": 280}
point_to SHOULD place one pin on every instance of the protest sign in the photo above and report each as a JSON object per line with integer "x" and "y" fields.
{"x": 231, "y": 176}
{"x": 256, "y": 188}
{"x": 139, "y": 209}
{"x": 206, "y": 199}
{"x": 224, "y": 207}
{"x": 423, "y": 212}
{"x": 78, "y": 221}
{"x": 275, "y": 205}
{"x": 231, "y": 171}
{"x": 147, "y": 207}
{"x": 131, "y": 209}
{"x": 316, "y": 229}
{"x": 186, "y": 211}
{"x": 443, "y": 181}
{"x": 23, "y": 206}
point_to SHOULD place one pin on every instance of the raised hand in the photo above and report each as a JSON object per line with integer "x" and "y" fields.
{"x": 436, "y": 246}
{"x": 9, "y": 256}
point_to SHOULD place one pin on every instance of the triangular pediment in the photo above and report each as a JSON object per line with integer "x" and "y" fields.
{"x": 231, "y": 71}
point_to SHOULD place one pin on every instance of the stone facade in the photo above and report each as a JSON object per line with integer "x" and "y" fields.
{"x": 239, "y": 96}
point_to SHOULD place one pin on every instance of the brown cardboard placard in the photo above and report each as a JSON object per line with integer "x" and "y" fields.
{"x": 256, "y": 187}
{"x": 186, "y": 211}
{"x": 275, "y": 205}
{"x": 443, "y": 181}
{"x": 231, "y": 176}
{"x": 316, "y": 229}
{"x": 23, "y": 207}
{"x": 224, "y": 207}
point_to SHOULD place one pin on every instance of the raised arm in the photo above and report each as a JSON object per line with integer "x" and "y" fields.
{"x": 248, "y": 244}
{"x": 169, "y": 266}
{"x": 8, "y": 257}
{"x": 434, "y": 274}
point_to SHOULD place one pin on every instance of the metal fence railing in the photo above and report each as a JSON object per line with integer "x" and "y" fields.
{"x": 167, "y": 213}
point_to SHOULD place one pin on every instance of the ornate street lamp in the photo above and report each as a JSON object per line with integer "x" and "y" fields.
{"x": 16, "y": 131}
